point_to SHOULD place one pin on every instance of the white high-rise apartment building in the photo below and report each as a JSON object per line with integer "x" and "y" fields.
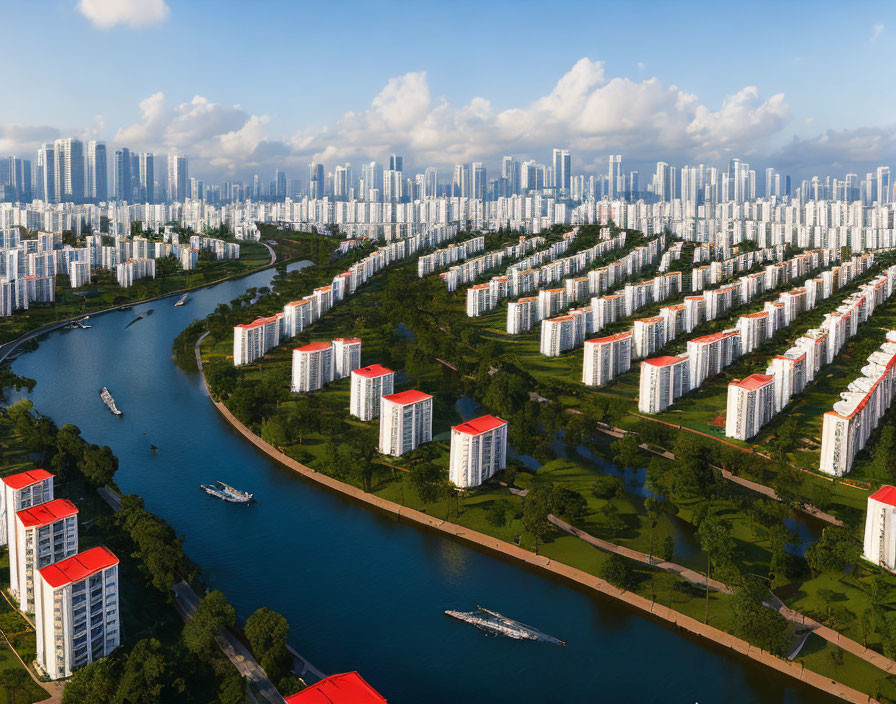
{"x": 97, "y": 172}
{"x": 346, "y": 356}
{"x": 606, "y": 358}
{"x": 880, "y": 528}
{"x": 478, "y": 450}
{"x": 789, "y": 372}
{"x": 312, "y": 367}
{"x": 558, "y": 335}
{"x": 76, "y": 612}
{"x": 369, "y": 385}
{"x": 663, "y": 381}
{"x": 751, "y": 404}
{"x": 710, "y": 354}
{"x": 45, "y": 533}
{"x": 252, "y": 341}
{"x": 22, "y": 490}
{"x": 479, "y": 300}
{"x": 648, "y": 336}
{"x": 521, "y": 315}
{"x": 405, "y": 422}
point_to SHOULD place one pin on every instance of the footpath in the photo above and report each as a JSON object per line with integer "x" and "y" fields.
{"x": 571, "y": 574}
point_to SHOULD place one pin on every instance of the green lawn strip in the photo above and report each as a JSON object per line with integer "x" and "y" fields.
{"x": 831, "y": 661}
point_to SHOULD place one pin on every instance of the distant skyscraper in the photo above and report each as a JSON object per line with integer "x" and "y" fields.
{"x": 279, "y": 184}
{"x": 479, "y": 183}
{"x": 662, "y": 182}
{"x": 69, "y": 157}
{"x": 396, "y": 163}
{"x": 46, "y": 173}
{"x": 430, "y": 182}
{"x": 510, "y": 172}
{"x": 316, "y": 180}
{"x": 147, "y": 177}
{"x": 883, "y": 184}
{"x": 461, "y": 182}
{"x": 178, "y": 177}
{"x": 615, "y": 179}
{"x": 562, "y": 171}
{"x": 121, "y": 175}
{"x": 97, "y": 170}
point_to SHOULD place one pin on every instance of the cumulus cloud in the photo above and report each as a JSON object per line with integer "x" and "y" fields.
{"x": 105, "y": 14}
{"x": 586, "y": 111}
{"x": 876, "y": 31}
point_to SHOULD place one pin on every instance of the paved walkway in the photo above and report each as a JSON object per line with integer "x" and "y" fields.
{"x": 829, "y": 634}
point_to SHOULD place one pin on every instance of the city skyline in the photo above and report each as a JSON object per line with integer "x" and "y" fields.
{"x": 790, "y": 108}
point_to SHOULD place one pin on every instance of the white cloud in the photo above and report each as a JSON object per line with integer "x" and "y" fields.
{"x": 876, "y": 31}
{"x": 105, "y": 14}
{"x": 587, "y": 111}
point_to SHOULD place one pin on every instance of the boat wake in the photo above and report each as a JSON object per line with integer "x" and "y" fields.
{"x": 493, "y": 623}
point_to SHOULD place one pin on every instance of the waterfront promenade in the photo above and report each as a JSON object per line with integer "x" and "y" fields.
{"x": 571, "y": 574}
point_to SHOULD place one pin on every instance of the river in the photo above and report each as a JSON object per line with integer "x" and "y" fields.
{"x": 360, "y": 590}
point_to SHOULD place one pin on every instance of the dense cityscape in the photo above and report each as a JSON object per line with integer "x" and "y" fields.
{"x": 606, "y": 373}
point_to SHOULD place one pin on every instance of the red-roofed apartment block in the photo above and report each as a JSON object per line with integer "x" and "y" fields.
{"x": 405, "y": 422}
{"x": 45, "y": 533}
{"x": 478, "y": 450}
{"x": 22, "y": 490}
{"x": 76, "y": 611}
{"x": 880, "y": 528}
{"x": 348, "y": 688}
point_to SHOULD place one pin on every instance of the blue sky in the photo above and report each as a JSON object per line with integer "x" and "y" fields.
{"x": 286, "y": 82}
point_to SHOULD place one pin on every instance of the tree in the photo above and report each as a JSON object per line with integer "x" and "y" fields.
{"x": 618, "y": 572}
{"x": 213, "y": 614}
{"x": 149, "y": 675}
{"x": 98, "y": 465}
{"x": 613, "y": 521}
{"x": 626, "y": 452}
{"x": 754, "y": 621}
{"x": 536, "y": 509}
{"x": 496, "y": 514}
{"x": 827, "y": 596}
{"x": 607, "y": 486}
{"x": 716, "y": 541}
{"x": 834, "y": 551}
{"x": 267, "y": 631}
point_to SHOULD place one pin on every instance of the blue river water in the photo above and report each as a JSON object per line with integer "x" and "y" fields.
{"x": 361, "y": 591}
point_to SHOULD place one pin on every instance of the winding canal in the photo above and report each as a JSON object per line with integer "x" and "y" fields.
{"x": 360, "y": 590}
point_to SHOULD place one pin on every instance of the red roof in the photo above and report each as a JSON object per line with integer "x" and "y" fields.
{"x": 78, "y": 567}
{"x": 258, "y": 322}
{"x": 753, "y": 382}
{"x": 303, "y": 302}
{"x": 348, "y": 340}
{"x": 402, "y": 398}
{"x": 761, "y": 314}
{"x": 479, "y": 425}
{"x": 372, "y": 371}
{"x": 715, "y": 337}
{"x": 26, "y": 478}
{"x": 655, "y": 319}
{"x": 44, "y": 514}
{"x": 610, "y": 338}
{"x": 663, "y": 361}
{"x": 886, "y": 495}
{"x": 348, "y": 688}
{"x": 314, "y": 347}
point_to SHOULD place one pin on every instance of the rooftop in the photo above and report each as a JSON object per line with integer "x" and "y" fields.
{"x": 716, "y": 336}
{"x": 314, "y": 347}
{"x": 348, "y": 340}
{"x": 405, "y": 397}
{"x": 348, "y": 688}
{"x": 44, "y": 514}
{"x": 753, "y": 382}
{"x": 663, "y": 361}
{"x": 257, "y": 322}
{"x": 373, "y": 370}
{"x": 26, "y": 478}
{"x": 78, "y": 567}
{"x": 480, "y": 425}
{"x": 886, "y": 495}
{"x": 611, "y": 338}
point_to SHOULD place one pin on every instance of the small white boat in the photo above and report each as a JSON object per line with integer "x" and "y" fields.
{"x": 109, "y": 401}
{"x": 226, "y": 492}
{"x": 181, "y": 300}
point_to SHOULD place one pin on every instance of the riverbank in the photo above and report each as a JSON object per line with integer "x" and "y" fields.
{"x": 8, "y": 348}
{"x": 508, "y": 550}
